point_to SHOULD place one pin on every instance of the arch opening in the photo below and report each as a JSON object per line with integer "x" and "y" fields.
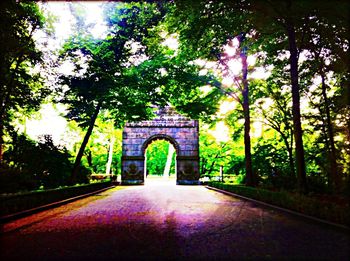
{"x": 160, "y": 161}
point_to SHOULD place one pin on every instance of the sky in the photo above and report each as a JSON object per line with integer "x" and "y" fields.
{"x": 66, "y": 20}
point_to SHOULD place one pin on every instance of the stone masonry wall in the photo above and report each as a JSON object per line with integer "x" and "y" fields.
{"x": 181, "y": 132}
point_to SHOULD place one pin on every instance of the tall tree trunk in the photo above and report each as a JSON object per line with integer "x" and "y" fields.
{"x": 291, "y": 162}
{"x": 3, "y": 112}
{"x": 89, "y": 158}
{"x": 334, "y": 182}
{"x": 110, "y": 155}
{"x": 250, "y": 179}
{"x": 298, "y": 133}
{"x": 326, "y": 141}
{"x": 290, "y": 154}
{"x": 5, "y": 99}
{"x": 203, "y": 171}
{"x": 84, "y": 143}
{"x": 1, "y": 140}
{"x": 171, "y": 151}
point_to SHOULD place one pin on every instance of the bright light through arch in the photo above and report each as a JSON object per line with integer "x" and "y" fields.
{"x": 160, "y": 161}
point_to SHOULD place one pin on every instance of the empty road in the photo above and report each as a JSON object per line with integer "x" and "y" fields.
{"x": 163, "y": 221}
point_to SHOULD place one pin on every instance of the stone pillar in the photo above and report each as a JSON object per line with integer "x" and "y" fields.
{"x": 133, "y": 170}
{"x": 187, "y": 170}
{"x": 133, "y": 161}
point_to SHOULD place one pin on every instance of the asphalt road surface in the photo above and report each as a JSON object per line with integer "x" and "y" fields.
{"x": 161, "y": 221}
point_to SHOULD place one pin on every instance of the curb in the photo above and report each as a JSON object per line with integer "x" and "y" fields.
{"x": 25, "y": 213}
{"x": 281, "y": 209}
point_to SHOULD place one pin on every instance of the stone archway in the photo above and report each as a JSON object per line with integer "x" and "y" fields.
{"x": 180, "y": 131}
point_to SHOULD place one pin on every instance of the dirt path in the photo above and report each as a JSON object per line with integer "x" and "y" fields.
{"x": 164, "y": 221}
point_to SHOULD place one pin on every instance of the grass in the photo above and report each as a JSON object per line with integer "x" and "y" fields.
{"x": 337, "y": 212}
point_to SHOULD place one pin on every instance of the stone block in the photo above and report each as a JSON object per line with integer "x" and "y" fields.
{"x": 189, "y": 147}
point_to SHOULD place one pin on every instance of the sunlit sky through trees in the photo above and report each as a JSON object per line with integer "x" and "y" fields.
{"x": 51, "y": 120}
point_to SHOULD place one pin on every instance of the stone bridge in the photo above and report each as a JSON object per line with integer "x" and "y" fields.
{"x": 168, "y": 125}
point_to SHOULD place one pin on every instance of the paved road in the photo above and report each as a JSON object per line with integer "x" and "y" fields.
{"x": 163, "y": 221}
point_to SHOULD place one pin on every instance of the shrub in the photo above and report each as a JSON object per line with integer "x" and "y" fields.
{"x": 31, "y": 165}
{"x": 12, "y": 180}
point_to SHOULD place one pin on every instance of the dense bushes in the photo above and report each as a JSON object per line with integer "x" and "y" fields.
{"x": 330, "y": 210}
{"x": 12, "y": 180}
{"x": 270, "y": 162}
{"x": 29, "y": 165}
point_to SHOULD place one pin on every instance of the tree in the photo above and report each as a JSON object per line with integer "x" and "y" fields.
{"x": 213, "y": 154}
{"x": 40, "y": 163}
{"x": 103, "y": 150}
{"x": 123, "y": 76}
{"x": 105, "y": 82}
{"x": 327, "y": 51}
{"x": 280, "y": 29}
{"x": 273, "y": 103}
{"x": 204, "y": 34}
{"x": 289, "y": 27}
{"x": 21, "y": 87}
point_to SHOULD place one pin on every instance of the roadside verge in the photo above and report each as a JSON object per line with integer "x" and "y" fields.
{"x": 338, "y": 218}
{"x": 16, "y": 206}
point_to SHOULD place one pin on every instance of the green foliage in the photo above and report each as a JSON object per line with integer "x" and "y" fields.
{"x": 236, "y": 165}
{"x": 125, "y": 88}
{"x": 108, "y": 79}
{"x": 96, "y": 153}
{"x": 305, "y": 34}
{"x": 14, "y": 180}
{"x": 120, "y": 75}
{"x": 214, "y": 154}
{"x": 234, "y": 120}
{"x": 21, "y": 87}
{"x": 31, "y": 165}
{"x": 270, "y": 160}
